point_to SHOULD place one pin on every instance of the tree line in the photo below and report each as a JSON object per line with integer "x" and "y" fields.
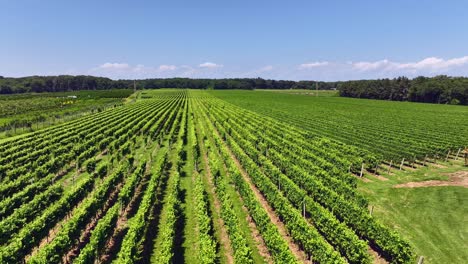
{"x": 63, "y": 83}
{"x": 439, "y": 89}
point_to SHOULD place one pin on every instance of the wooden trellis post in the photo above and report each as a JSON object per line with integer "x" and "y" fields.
{"x": 362, "y": 170}
{"x": 371, "y": 210}
{"x": 76, "y": 174}
{"x": 465, "y": 154}
{"x": 458, "y": 153}
{"x": 421, "y": 260}
{"x": 402, "y": 161}
{"x": 303, "y": 207}
{"x": 279, "y": 183}
{"x": 389, "y": 167}
{"x": 448, "y": 154}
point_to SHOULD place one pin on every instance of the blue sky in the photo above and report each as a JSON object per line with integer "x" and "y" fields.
{"x": 298, "y": 40}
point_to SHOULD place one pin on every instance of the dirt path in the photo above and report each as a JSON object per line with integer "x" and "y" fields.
{"x": 459, "y": 178}
{"x": 435, "y": 164}
{"x": 86, "y": 233}
{"x": 364, "y": 179}
{"x": 293, "y": 247}
{"x": 377, "y": 259}
{"x": 224, "y": 237}
{"x": 376, "y": 176}
{"x": 114, "y": 241}
{"x": 262, "y": 248}
{"x": 54, "y": 230}
{"x": 225, "y": 240}
{"x": 298, "y": 253}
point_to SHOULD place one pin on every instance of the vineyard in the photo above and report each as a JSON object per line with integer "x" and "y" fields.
{"x": 389, "y": 130}
{"x": 190, "y": 176}
{"x": 21, "y": 113}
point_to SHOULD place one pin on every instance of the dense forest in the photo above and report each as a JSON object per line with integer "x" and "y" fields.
{"x": 439, "y": 89}
{"x": 73, "y": 83}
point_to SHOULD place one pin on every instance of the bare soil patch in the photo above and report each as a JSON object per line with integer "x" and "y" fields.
{"x": 379, "y": 177}
{"x": 459, "y": 178}
{"x": 364, "y": 179}
{"x": 298, "y": 253}
{"x": 219, "y": 223}
{"x": 437, "y": 165}
{"x": 377, "y": 259}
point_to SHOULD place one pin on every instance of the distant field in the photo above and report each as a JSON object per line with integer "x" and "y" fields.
{"x": 28, "y": 111}
{"x": 190, "y": 176}
{"x": 390, "y": 130}
{"x": 326, "y": 93}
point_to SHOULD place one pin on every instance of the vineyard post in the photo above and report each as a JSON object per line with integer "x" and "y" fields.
{"x": 389, "y": 167}
{"x": 421, "y": 260}
{"x": 362, "y": 169}
{"x": 402, "y": 161}
{"x": 466, "y": 157}
{"x": 76, "y": 174}
{"x": 457, "y": 153}
{"x": 303, "y": 207}
{"x": 371, "y": 209}
{"x": 316, "y": 88}
{"x": 448, "y": 154}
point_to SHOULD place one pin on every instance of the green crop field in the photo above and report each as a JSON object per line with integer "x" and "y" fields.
{"x": 388, "y": 130}
{"x": 197, "y": 176}
{"x": 21, "y": 113}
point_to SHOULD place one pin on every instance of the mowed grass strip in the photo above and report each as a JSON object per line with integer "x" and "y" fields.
{"x": 434, "y": 219}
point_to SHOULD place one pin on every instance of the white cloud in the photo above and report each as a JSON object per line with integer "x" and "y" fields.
{"x": 266, "y": 68}
{"x": 264, "y": 72}
{"x": 431, "y": 64}
{"x": 434, "y": 63}
{"x": 369, "y": 66}
{"x": 167, "y": 67}
{"x": 210, "y": 65}
{"x": 116, "y": 66}
{"x": 311, "y": 65}
{"x": 318, "y": 70}
{"x": 139, "y": 68}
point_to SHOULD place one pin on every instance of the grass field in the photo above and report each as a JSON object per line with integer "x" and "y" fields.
{"x": 190, "y": 176}
{"x": 320, "y": 93}
{"x": 433, "y": 218}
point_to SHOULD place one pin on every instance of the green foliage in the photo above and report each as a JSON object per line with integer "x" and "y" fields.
{"x": 439, "y": 89}
{"x": 32, "y": 111}
{"x": 303, "y": 175}
{"x": 317, "y": 194}
{"x": 52, "y": 252}
{"x": 377, "y": 129}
